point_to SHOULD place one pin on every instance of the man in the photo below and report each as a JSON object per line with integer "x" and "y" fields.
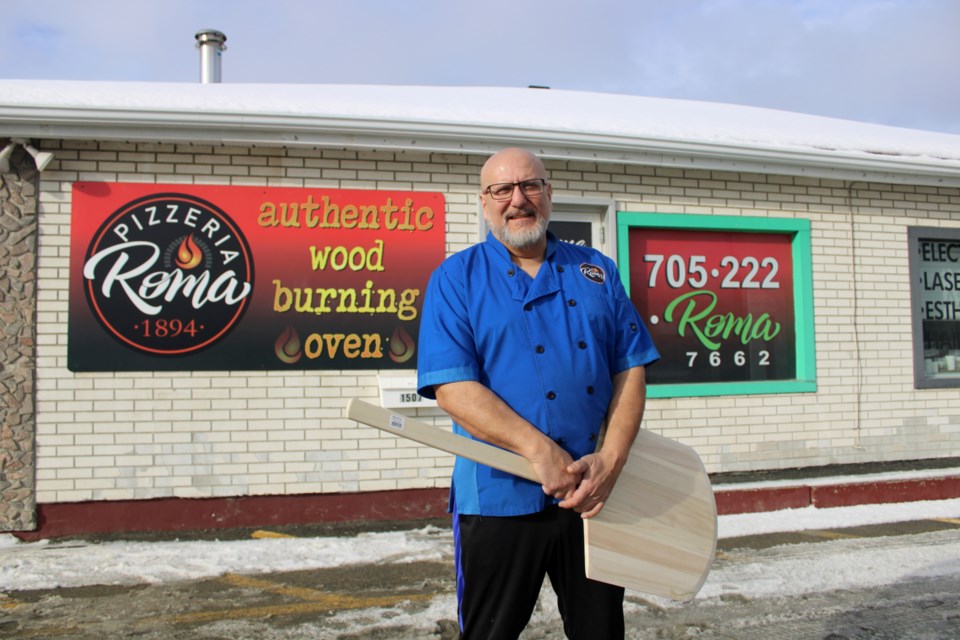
{"x": 532, "y": 345}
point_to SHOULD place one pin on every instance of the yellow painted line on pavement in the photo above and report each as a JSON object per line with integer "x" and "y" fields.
{"x": 947, "y": 520}
{"x": 317, "y": 601}
{"x": 249, "y": 582}
{"x": 46, "y": 633}
{"x": 260, "y": 535}
{"x": 271, "y": 611}
{"x": 830, "y": 535}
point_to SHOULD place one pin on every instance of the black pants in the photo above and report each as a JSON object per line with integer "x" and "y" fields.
{"x": 501, "y": 563}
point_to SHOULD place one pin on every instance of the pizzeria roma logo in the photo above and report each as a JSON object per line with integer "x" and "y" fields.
{"x": 168, "y": 274}
{"x": 593, "y": 273}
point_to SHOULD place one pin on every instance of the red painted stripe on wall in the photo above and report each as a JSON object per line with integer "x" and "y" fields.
{"x": 181, "y": 514}
{"x": 846, "y": 495}
{"x": 757, "y": 500}
{"x": 184, "y": 514}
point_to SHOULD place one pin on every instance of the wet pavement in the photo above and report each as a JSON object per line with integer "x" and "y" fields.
{"x": 416, "y": 600}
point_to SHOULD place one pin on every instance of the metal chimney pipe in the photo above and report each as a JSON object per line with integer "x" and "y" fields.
{"x": 211, "y": 45}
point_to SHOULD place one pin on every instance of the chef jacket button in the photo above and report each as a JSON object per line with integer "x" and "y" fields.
{"x": 593, "y": 437}
{"x": 527, "y": 307}
{"x": 559, "y": 268}
{"x": 582, "y": 344}
{"x": 590, "y": 390}
{"x": 510, "y": 272}
{"x": 551, "y": 395}
{"x": 571, "y": 302}
{"x": 633, "y": 326}
{"x": 540, "y": 348}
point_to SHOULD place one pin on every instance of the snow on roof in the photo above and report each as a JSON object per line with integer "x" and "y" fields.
{"x": 567, "y": 124}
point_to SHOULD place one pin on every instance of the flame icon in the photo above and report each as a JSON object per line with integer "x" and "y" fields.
{"x": 287, "y": 346}
{"x": 402, "y": 346}
{"x": 189, "y": 254}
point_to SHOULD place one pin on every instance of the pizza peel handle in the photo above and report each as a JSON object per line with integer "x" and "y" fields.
{"x": 437, "y": 438}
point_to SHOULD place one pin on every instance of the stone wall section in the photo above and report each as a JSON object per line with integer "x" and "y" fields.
{"x": 18, "y": 278}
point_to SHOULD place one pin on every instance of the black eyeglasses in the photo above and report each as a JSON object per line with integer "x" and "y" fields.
{"x": 504, "y": 190}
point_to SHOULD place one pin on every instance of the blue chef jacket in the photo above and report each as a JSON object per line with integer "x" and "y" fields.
{"x": 548, "y": 347}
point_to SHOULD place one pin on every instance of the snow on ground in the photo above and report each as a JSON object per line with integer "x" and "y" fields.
{"x": 841, "y": 564}
{"x": 45, "y": 565}
{"x": 856, "y": 563}
{"x": 745, "y": 524}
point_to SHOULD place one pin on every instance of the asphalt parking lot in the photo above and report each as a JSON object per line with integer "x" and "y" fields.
{"x": 416, "y": 600}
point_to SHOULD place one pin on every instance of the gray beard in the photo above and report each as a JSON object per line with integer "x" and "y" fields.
{"x": 523, "y": 239}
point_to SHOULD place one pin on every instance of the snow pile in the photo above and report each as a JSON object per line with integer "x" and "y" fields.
{"x": 799, "y": 568}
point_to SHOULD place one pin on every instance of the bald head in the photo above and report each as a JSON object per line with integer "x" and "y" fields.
{"x": 519, "y": 163}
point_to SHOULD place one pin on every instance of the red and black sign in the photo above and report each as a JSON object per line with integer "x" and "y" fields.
{"x": 719, "y": 304}
{"x": 168, "y": 274}
{"x": 182, "y": 277}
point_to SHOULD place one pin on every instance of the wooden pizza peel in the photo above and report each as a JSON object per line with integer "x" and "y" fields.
{"x": 657, "y": 533}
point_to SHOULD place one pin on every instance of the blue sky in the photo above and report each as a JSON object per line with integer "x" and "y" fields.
{"x": 894, "y": 62}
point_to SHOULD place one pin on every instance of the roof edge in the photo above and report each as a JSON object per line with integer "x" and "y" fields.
{"x": 324, "y": 131}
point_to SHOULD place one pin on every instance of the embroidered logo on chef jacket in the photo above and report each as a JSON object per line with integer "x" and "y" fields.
{"x": 593, "y": 273}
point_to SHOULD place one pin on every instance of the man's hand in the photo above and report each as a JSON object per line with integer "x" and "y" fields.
{"x": 598, "y": 474}
{"x": 553, "y": 467}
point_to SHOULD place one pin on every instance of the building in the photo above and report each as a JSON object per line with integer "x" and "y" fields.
{"x": 801, "y": 272}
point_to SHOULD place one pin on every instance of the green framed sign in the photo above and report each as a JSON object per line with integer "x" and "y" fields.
{"x": 728, "y": 301}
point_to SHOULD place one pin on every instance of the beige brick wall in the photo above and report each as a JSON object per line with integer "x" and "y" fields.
{"x": 104, "y": 436}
